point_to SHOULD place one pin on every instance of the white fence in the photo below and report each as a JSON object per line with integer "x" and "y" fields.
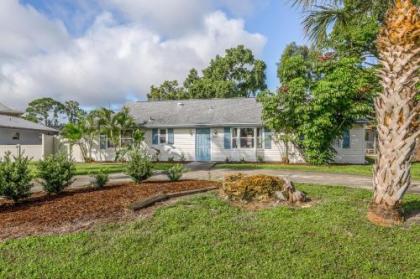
{"x": 35, "y": 152}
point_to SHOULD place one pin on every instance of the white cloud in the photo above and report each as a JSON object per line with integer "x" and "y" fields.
{"x": 24, "y": 31}
{"x": 170, "y": 18}
{"x": 112, "y": 62}
{"x": 174, "y": 17}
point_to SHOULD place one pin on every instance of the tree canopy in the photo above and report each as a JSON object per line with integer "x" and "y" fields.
{"x": 45, "y": 111}
{"x": 321, "y": 95}
{"x": 236, "y": 74}
{"x": 52, "y": 113}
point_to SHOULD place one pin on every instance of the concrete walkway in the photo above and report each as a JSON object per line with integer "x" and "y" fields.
{"x": 353, "y": 181}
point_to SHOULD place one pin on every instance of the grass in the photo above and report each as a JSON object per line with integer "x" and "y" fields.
{"x": 93, "y": 168}
{"x": 365, "y": 170}
{"x": 205, "y": 237}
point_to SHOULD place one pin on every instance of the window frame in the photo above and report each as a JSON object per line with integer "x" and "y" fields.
{"x": 236, "y": 140}
{"x": 159, "y": 136}
{"x": 108, "y": 143}
{"x": 258, "y": 138}
{"x": 340, "y": 141}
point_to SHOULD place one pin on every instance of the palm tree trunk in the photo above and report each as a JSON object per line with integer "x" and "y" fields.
{"x": 396, "y": 112}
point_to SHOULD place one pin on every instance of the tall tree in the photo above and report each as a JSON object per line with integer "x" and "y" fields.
{"x": 168, "y": 90}
{"x": 45, "y": 111}
{"x": 397, "y": 111}
{"x": 321, "y": 96}
{"x": 239, "y": 67}
{"x": 283, "y": 112}
{"x": 73, "y": 111}
{"x": 236, "y": 74}
{"x": 397, "y": 108}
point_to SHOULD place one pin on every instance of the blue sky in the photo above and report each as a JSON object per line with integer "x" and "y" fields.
{"x": 110, "y": 51}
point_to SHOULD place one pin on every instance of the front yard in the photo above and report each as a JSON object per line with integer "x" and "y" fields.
{"x": 365, "y": 170}
{"x": 206, "y": 237}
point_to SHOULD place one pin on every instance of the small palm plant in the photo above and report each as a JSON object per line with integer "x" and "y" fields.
{"x": 175, "y": 172}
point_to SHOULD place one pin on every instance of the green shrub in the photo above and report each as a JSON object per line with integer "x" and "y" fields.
{"x": 15, "y": 177}
{"x": 100, "y": 179}
{"x": 139, "y": 166}
{"x": 175, "y": 172}
{"x": 57, "y": 172}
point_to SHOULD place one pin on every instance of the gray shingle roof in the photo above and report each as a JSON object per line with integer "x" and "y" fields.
{"x": 5, "y": 110}
{"x": 8, "y": 121}
{"x": 197, "y": 113}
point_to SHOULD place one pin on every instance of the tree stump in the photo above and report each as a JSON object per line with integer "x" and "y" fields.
{"x": 293, "y": 195}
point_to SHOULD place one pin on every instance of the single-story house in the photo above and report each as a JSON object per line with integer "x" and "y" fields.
{"x": 218, "y": 130}
{"x": 19, "y": 135}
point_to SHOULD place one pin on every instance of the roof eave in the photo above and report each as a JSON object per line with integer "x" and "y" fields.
{"x": 201, "y": 125}
{"x": 50, "y": 130}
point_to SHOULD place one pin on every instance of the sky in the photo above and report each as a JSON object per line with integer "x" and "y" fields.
{"x": 108, "y": 52}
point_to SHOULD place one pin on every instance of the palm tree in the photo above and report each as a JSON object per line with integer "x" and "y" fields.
{"x": 89, "y": 125}
{"x": 397, "y": 107}
{"x": 73, "y": 134}
{"x": 397, "y": 111}
{"x": 113, "y": 125}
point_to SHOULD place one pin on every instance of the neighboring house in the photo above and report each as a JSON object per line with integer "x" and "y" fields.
{"x": 19, "y": 135}
{"x": 218, "y": 130}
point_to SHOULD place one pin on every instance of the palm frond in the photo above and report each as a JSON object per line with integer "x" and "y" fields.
{"x": 318, "y": 22}
{"x": 309, "y": 3}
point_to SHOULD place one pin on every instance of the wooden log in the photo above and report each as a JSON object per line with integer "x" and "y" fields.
{"x": 149, "y": 201}
{"x": 191, "y": 192}
{"x": 163, "y": 196}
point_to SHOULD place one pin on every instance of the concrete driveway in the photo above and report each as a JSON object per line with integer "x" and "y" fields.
{"x": 353, "y": 181}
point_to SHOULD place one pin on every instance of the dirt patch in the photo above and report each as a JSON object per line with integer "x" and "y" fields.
{"x": 78, "y": 209}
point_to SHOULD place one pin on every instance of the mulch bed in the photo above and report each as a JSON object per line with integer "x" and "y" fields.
{"x": 77, "y": 209}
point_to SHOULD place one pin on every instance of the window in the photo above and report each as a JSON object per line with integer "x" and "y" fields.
{"x": 162, "y": 136}
{"x": 235, "y": 138}
{"x": 127, "y": 138}
{"x": 105, "y": 142}
{"x": 247, "y": 138}
{"x": 243, "y": 138}
{"x": 16, "y": 136}
{"x": 259, "y": 138}
{"x": 344, "y": 141}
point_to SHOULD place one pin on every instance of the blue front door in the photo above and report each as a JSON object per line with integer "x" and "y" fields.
{"x": 202, "y": 144}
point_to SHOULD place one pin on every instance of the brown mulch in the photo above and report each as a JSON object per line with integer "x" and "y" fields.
{"x": 77, "y": 209}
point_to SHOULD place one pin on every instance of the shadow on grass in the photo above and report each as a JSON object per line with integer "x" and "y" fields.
{"x": 411, "y": 208}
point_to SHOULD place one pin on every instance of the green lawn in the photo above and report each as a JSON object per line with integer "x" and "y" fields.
{"x": 92, "y": 168}
{"x": 345, "y": 169}
{"x": 204, "y": 237}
